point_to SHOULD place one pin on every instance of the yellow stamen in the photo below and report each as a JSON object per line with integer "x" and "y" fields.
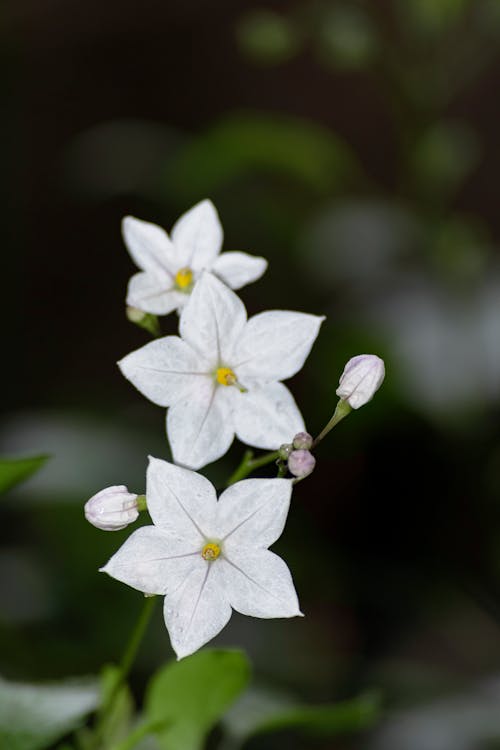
{"x": 225, "y": 376}
{"x": 210, "y": 552}
{"x": 184, "y": 278}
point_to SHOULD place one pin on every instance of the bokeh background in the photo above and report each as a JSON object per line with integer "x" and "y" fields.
{"x": 355, "y": 145}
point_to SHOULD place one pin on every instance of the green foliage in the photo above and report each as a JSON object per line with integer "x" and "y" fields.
{"x": 32, "y": 717}
{"x": 267, "y": 37}
{"x": 190, "y": 696}
{"x": 16, "y": 470}
{"x": 269, "y": 144}
{"x": 346, "y": 38}
{"x": 261, "y": 713}
{"x": 119, "y": 717}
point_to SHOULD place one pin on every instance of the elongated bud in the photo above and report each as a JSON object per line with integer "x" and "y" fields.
{"x": 112, "y": 508}
{"x": 362, "y": 377}
{"x": 145, "y": 320}
{"x": 301, "y": 463}
{"x": 302, "y": 441}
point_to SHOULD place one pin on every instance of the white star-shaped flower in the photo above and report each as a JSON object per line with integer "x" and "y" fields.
{"x": 171, "y": 265}
{"x": 208, "y": 556}
{"x": 221, "y": 376}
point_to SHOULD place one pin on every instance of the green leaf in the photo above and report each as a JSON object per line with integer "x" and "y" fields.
{"x": 119, "y": 718}
{"x": 262, "y": 712}
{"x": 15, "y": 470}
{"x": 249, "y": 143}
{"x": 190, "y": 696}
{"x": 32, "y": 717}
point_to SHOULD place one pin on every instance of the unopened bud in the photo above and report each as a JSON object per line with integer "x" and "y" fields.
{"x": 301, "y": 463}
{"x": 145, "y": 320}
{"x": 112, "y": 509}
{"x": 362, "y": 377}
{"x": 285, "y": 450}
{"x": 302, "y": 441}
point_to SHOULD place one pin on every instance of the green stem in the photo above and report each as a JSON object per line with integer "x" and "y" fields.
{"x": 341, "y": 411}
{"x": 124, "y": 667}
{"x": 249, "y": 464}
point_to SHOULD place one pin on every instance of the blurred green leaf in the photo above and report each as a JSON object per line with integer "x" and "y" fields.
{"x": 15, "y": 470}
{"x": 261, "y": 713}
{"x": 267, "y": 37}
{"x": 432, "y": 16}
{"x": 191, "y": 695}
{"x": 119, "y": 719}
{"x": 32, "y": 717}
{"x": 271, "y": 144}
{"x": 346, "y": 38}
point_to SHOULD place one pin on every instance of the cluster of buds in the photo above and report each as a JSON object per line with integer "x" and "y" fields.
{"x": 298, "y": 456}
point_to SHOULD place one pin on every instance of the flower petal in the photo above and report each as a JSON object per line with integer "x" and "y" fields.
{"x": 253, "y": 512}
{"x": 180, "y": 502}
{"x": 149, "y": 246}
{"x": 266, "y": 417}
{"x": 200, "y": 425}
{"x": 275, "y": 344}
{"x": 197, "y": 236}
{"x": 237, "y": 269}
{"x": 198, "y": 610}
{"x": 213, "y": 320}
{"x": 165, "y": 370}
{"x": 152, "y": 562}
{"x": 154, "y": 293}
{"x": 258, "y": 583}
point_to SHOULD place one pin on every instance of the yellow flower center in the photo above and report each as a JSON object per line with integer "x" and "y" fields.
{"x": 225, "y": 376}
{"x": 210, "y": 551}
{"x": 184, "y": 278}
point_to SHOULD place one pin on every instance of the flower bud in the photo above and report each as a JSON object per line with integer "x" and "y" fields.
{"x": 285, "y": 450}
{"x": 301, "y": 463}
{"x": 362, "y": 377}
{"x": 302, "y": 441}
{"x": 112, "y": 508}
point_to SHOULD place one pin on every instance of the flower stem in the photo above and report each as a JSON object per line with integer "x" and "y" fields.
{"x": 249, "y": 463}
{"x": 342, "y": 410}
{"x": 124, "y": 668}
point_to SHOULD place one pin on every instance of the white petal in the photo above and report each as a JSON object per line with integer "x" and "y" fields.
{"x": 165, "y": 370}
{"x": 149, "y": 245}
{"x": 180, "y": 502}
{"x": 200, "y": 426}
{"x": 197, "y": 236}
{"x": 258, "y": 583}
{"x": 213, "y": 320}
{"x": 197, "y": 610}
{"x": 152, "y": 562}
{"x": 237, "y": 269}
{"x": 253, "y": 512}
{"x": 267, "y": 417}
{"x": 154, "y": 293}
{"x": 275, "y": 344}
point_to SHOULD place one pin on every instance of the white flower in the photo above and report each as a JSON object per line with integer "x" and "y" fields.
{"x": 362, "y": 377}
{"x": 112, "y": 508}
{"x": 207, "y": 556}
{"x": 221, "y": 377}
{"x": 171, "y": 265}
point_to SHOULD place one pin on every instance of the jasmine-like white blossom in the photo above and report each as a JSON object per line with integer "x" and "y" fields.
{"x": 362, "y": 377}
{"x": 170, "y": 266}
{"x": 222, "y": 376}
{"x": 112, "y": 509}
{"x": 207, "y": 556}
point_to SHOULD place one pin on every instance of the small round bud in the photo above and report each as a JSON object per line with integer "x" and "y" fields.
{"x": 135, "y": 315}
{"x": 302, "y": 441}
{"x": 362, "y": 377}
{"x": 112, "y": 508}
{"x": 285, "y": 450}
{"x": 301, "y": 463}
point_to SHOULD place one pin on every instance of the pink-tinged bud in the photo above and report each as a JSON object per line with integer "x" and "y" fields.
{"x": 302, "y": 441}
{"x": 112, "y": 508}
{"x": 362, "y": 377}
{"x": 301, "y": 463}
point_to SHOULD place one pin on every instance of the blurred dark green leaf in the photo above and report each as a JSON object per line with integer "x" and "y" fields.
{"x": 432, "y": 16}
{"x": 191, "y": 695}
{"x": 32, "y": 717}
{"x": 346, "y": 38}
{"x": 260, "y": 713}
{"x": 257, "y": 143}
{"x": 267, "y": 37}
{"x": 15, "y": 470}
{"x": 119, "y": 719}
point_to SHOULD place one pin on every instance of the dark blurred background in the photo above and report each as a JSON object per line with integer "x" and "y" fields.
{"x": 355, "y": 145}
